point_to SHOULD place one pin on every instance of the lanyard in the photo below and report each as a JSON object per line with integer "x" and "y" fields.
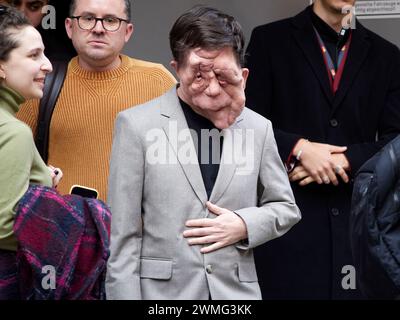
{"x": 334, "y": 76}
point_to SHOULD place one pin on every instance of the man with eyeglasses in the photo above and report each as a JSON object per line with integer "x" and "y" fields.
{"x": 100, "y": 82}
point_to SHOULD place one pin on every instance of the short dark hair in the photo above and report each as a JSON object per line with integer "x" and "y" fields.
{"x": 207, "y": 28}
{"x": 11, "y": 20}
{"x": 72, "y": 8}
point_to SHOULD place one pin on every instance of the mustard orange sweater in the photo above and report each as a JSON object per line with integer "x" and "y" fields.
{"x": 82, "y": 124}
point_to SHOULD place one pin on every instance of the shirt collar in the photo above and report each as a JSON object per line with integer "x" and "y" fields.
{"x": 325, "y": 31}
{"x": 194, "y": 119}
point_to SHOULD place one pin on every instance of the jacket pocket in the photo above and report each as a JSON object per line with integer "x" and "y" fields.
{"x": 154, "y": 268}
{"x": 247, "y": 272}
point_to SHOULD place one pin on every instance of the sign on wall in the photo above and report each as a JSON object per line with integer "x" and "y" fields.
{"x": 377, "y": 9}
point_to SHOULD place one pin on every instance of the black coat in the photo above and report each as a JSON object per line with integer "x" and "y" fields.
{"x": 375, "y": 224}
{"x": 288, "y": 83}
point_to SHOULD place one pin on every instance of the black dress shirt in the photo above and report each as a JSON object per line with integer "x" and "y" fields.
{"x": 333, "y": 41}
{"x": 209, "y": 168}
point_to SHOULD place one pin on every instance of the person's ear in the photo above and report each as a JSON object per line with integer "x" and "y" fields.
{"x": 245, "y": 75}
{"x": 174, "y": 64}
{"x": 129, "y": 31}
{"x": 68, "y": 27}
{"x": 2, "y": 73}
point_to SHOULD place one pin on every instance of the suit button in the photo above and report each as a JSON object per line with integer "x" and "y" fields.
{"x": 335, "y": 212}
{"x": 334, "y": 123}
{"x": 209, "y": 268}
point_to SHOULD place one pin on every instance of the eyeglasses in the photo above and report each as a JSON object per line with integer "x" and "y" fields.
{"x": 109, "y": 23}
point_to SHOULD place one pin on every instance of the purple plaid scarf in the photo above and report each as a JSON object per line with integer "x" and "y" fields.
{"x": 8, "y": 276}
{"x": 65, "y": 234}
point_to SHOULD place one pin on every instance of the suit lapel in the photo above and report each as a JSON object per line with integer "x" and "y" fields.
{"x": 358, "y": 52}
{"x": 228, "y": 163}
{"x": 173, "y": 117}
{"x": 174, "y": 123}
{"x": 304, "y": 36}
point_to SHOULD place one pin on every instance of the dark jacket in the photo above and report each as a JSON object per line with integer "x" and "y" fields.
{"x": 375, "y": 224}
{"x": 288, "y": 83}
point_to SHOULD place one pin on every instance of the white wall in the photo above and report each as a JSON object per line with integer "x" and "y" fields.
{"x": 153, "y": 20}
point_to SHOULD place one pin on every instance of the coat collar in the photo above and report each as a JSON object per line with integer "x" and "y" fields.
{"x": 303, "y": 32}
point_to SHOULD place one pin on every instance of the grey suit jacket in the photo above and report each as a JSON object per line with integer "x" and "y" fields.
{"x": 155, "y": 186}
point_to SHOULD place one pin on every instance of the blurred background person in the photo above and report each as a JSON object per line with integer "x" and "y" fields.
{"x": 333, "y": 96}
{"x": 56, "y": 42}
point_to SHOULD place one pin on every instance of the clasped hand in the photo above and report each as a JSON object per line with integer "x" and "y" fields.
{"x": 320, "y": 163}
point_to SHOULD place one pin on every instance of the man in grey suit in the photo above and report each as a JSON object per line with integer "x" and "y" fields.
{"x": 186, "y": 217}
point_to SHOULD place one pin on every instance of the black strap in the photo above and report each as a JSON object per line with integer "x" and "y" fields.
{"x": 52, "y": 88}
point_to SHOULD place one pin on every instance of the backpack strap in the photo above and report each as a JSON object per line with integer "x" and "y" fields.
{"x": 52, "y": 87}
